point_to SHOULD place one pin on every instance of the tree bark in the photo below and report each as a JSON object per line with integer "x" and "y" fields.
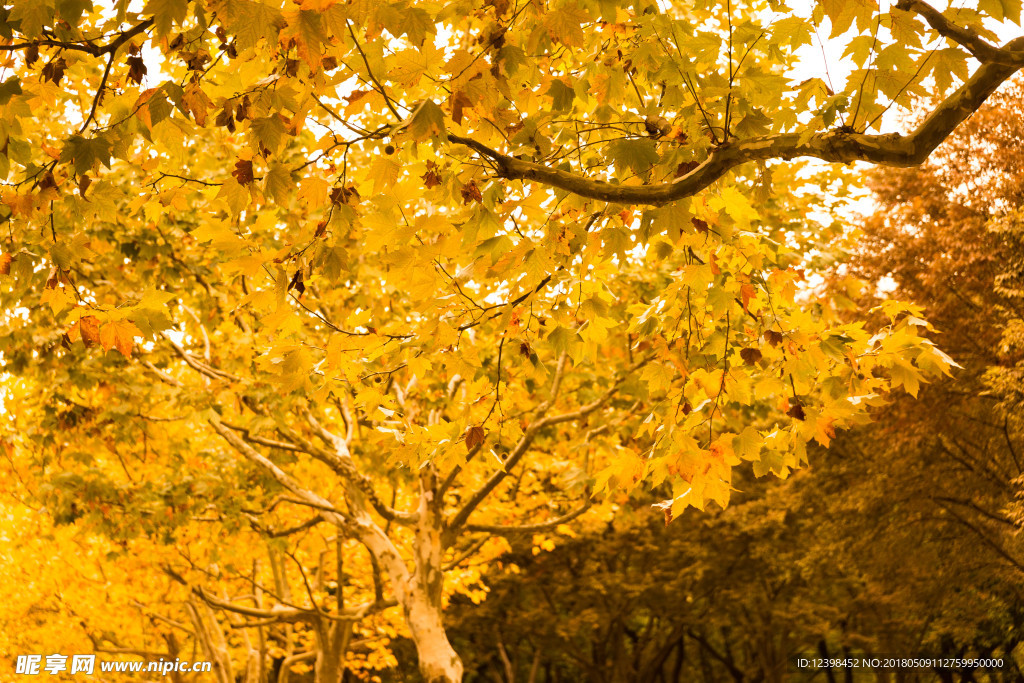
{"x": 439, "y": 662}
{"x": 418, "y": 592}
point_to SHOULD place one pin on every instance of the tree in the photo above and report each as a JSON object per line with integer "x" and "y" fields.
{"x": 903, "y": 538}
{"x": 426, "y": 276}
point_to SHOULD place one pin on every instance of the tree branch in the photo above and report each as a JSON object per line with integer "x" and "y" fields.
{"x": 330, "y": 513}
{"x": 841, "y": 146}
{"x": 343, "y": 465}
{"x": 95, "y": 50}
{"x": 279, "y": 614}
{"x": 523, "y": 445}
{"x": 980, "y": 49}
{"x": 502, "y": 530}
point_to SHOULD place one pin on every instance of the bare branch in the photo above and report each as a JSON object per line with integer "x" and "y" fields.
{"x": 308, "y": 524}
{"x": 278, "y": 614}
{"x": 466, "y": 554}
{"x": 523, "y": 445}
{"x": 197, "y": 365}
{"x": 331, "y": 513}
{"x": 262, "y": 440}
{"x": 341, "y": 462}
{"x": 164, "y": 377}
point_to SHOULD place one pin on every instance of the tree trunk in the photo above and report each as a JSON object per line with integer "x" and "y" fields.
{"x": 439, "y": 662}
{"x": 333, "y": 645}
{"x": 419, "y": 592}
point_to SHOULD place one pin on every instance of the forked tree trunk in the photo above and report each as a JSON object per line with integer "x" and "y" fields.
{"x": 439, "y": 663}
{"x": 419, "y": 592}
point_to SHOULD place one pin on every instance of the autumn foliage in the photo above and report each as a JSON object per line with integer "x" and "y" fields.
{"x": 313, "y": 312}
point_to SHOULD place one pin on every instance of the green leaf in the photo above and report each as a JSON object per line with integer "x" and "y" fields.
{"x": 253, "y": 21}
{"x": 310, "y": 29}
{"x": 279, "y": 184}
{"x": 907, "y": 375}
{"x": 165, "y": 14}
{"x": 9, "y": 88}
{"x": 86, "y": 153}
{"x": 1001, "y": 10}
{"x": 835, "y": 347}
{"x": 747, "y": 444}
{"x": 561, "y": 94}
{"x": 633, "y": 154}
{"x": 562, "y": 339}
{"x": 71, "y": 11}
{"x": 236, "y": 196}
{"x": 401, "y": 20}
{"x": 33, "y": 15}
{"x": 428, "y": 121}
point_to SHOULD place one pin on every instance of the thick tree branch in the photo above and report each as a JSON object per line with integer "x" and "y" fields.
{"x": 980, "y": 49}
{"x": 279, "y": 614}
{"x": 197, "y": 365}
{"x": 95, "y": 50}
{"x": 164, "y": 377}
{"x": 308, "y": 524}
{"x": 834, "y": 146}
{"x": 262, "y": 440}
{"x": 344, "y": 466}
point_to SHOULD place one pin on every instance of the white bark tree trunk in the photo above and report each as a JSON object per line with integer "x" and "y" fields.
{"x": 419, "y": 592}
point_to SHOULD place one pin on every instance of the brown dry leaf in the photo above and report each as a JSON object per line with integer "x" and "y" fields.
{"x": 474, "y": 437}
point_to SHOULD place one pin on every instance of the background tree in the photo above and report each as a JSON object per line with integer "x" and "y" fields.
{"x": 426, "y": 276}
{"x": 903, "y": 538}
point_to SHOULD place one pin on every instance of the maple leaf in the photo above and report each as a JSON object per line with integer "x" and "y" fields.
{"x": 633, "y": 154}
{"x": 88, "y": 328}
{"x": 432, "y": 178}
{"x": 685, "y": 167}
{"x": 566, "y": 23}
{"x": 86, "y": 153}
{"x": 226, "y": 118}
{"x": 750, "y": 356}
{"x": 54, "y": 70}
{"x": 824, "y": 430}
{"x": 471, "y": 193}
{"x": 136, "y": 69}
{"x": 457, "y": 102}
{"x": 197, "y": 102}
{"x": 31, "y": 54}
{"x": 243, "y": 171}
{"x": 119, "y": 334}
{"x": 474, "y": 437}
{"x": 428, "y": 121}
{"x": 165, "y": 14}
{"x": 278, "y": 182}
{"x": 270, "y": 131}
{"x": 747, "y": 292}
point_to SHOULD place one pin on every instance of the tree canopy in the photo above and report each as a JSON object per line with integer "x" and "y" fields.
{"x": 308, "y": 307}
